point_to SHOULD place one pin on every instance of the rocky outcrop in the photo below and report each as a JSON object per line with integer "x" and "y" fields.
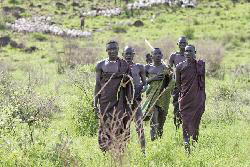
{"x": 103, "y": 12}
{"x": 139, "y": 4}
{"x": 138, "y": 23}
{"x": 4, "y": 41}
{"x": 44, "y": 25}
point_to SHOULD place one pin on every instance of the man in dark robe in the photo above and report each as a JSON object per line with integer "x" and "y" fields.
{"x": 190, "y": 80}
{"x": 156, "y": 106}
{"x": 174, "y": 60}
{"x": 114, "y": 94}
{"x": 139, "y": 80}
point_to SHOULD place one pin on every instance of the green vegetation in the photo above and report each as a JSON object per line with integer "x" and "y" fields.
{"x": 46, "y": 116}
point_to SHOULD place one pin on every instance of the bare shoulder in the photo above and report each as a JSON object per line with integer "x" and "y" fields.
{"x": 180, "y": 66}
{"x": 140, "y": 66}
{"x": 147, "y": 67}
{"x": 173, "y": 54}
{"x": 100, "y": 64}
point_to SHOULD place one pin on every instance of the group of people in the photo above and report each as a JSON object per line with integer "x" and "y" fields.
{"x": 120, "y": 83}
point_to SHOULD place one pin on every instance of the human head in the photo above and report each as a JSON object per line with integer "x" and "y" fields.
{"x": 182, "y": 43}
{"x": 148, "y": 58}
{"x": 128, "y": 53}
{"x": 112, "y": 48}
{"x": 157, "y": 55}
{"x": 190, "y": 52}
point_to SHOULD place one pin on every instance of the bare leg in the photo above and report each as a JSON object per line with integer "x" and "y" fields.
{"x": 154, "y": 123}
{"x": 162, "y": 118}
{"x": 140, "y": 129}
{"x": 177, "y": 116}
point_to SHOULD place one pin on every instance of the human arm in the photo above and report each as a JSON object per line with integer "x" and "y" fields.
{"x": 97, "y": 85}
{"x": 178, "y": 77}
{"x": 143, "y": 78}
{"x": 171, "y": 60}
{"x": 158, "y": 77}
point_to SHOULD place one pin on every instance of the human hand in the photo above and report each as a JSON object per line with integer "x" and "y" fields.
{"x": 96, "y": 110}
{"x": 144, "y": 88}
{"x": 159, "y": 77}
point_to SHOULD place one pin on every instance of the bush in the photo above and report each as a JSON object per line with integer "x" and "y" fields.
{"x": 189, "y": 32}
{"x": 21, "y": 104}
{"x": 74, "y": 55}
{"x": 196, "y": 22}
{"x": 235, "y": 1}
{"x": 85, "y": 121}
{"x": 227, "y": 102}
{"x": 39, "y": 37}
{"x": 119, "y": 29}
{"x": 212, "y": 53}
{"x": 2, "y": 24}
{"x": 15, "y": 2}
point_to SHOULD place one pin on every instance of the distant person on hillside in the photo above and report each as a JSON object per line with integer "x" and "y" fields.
{"x": 112, "y": 99}
{"x": 190, "y": 81}
{"x": 156, "y": 105}
{"x": 82, "y": 22}
{"x": 174, "y": 60}
{"x": 139, "y": 78}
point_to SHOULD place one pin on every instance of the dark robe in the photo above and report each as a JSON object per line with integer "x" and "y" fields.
{"x": 115, "y": 107}
{"x": 192, "y": 96}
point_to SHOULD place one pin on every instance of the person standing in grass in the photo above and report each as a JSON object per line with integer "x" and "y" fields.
{"x": 156, "y": 106}
{"x": 190, "y": 81}
{"x": 139, "y": 78}
{"x": 112, "y": 100}
{"x": 174, "y": 60}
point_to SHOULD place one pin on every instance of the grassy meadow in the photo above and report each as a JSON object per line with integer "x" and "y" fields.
{"x": 46, "y": 116}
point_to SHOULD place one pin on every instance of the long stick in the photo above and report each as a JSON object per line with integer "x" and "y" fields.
{"x": 151, "y": 47}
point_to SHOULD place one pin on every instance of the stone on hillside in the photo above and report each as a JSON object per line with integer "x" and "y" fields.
{"x": 31, "y": 5}
{"x": 44, "y": 24}
{"x": 63, "y": 13}
{"x": 14, "y": 44}
{"x": 60, "y": 5}
{"x": 138, "y": 23}
{"x": 4, "y": 41}
{"x": 16, "y": 15}
{"x": 7, "y": 9}
{"x": 31, "y": 49}
{"x": 75, "y": 4}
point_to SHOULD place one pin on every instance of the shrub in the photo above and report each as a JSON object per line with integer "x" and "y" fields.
{"x": 213, "y": 53}
{"x": 227, "y": 102}
{"x": 196, "y": 22}
{"x": 21, "y": 104}
{"x": 85, "y": 121}
{"x": 217, "y": 13}
{"x": 15, "y": 2}
{"x": 39, "y": 37}
{"x": 235, "y": 1}
{"x": 2, "y": 24}
{"x": 119, "y": 29}
{"x": 74, "y": 55}
{"x": 189, "y": 32}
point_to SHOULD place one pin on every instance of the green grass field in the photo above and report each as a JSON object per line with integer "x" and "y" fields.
{"x": 57, "y": 81}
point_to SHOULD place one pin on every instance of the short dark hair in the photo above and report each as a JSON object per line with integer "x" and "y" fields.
{"x": 112, "y": 42}
{"x": 156, "y": 51}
